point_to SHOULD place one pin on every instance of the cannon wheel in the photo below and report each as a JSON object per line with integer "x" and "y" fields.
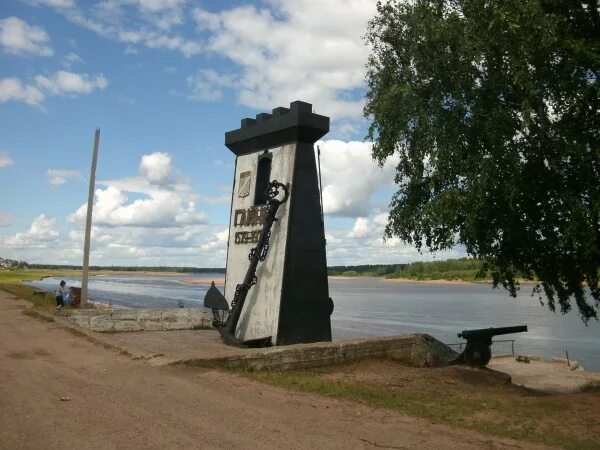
{"x": 477, "y": 354}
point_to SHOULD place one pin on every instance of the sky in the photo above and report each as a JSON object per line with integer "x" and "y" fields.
{"x": 164, "y": 80}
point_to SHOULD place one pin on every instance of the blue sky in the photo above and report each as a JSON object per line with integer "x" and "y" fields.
{"x": 164, "y": 80}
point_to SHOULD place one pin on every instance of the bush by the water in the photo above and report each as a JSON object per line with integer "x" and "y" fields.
{"x": 466, "y": 269}
{"x": 365, "y": 270}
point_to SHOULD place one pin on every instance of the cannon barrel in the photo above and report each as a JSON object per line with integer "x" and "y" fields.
{"x": 488, "y": 333}
{"x": 478, "y": 349}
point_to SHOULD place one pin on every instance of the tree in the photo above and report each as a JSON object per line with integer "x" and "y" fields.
{"x": 494, "y": 111}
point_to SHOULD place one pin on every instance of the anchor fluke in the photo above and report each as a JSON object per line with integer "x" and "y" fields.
{"x": 216, "y": 301}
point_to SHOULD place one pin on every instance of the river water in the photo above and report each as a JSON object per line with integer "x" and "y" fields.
{"x": 377, "y": 307}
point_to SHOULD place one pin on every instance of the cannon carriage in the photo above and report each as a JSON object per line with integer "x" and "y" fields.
{"x": 478, "y": 351}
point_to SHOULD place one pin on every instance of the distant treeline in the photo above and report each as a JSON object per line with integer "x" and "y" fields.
{"x": 467, "y": 269}
{"x": 366, "y": 270}
{"x": 131, "y": 268}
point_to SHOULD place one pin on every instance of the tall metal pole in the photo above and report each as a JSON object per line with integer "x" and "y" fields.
{"x": 88, "y": 222}
{"x": 320, "y": 183}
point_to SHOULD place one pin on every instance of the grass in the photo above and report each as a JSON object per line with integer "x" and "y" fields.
{"x": 12, "y": 281}
{"x": 27, "y": 293}
{"x": 499, "y": 411}
{"x": 36, "y": 315}
{"x": 593, "y": 386}
{"x": 16, "y": 276}
{"x": 202, "y": 327}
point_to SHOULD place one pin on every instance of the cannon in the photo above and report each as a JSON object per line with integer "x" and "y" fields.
{"x": 478, "y": 349}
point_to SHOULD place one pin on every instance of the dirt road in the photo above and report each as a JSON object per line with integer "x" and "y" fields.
{"x": 116, "y": 402}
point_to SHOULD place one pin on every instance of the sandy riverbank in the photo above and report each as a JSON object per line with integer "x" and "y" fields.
{"x": 143, "y": 272}
{"x": 220, "y": 281}
{"x": 408, "y": 280}
{"x": 202, "y": 281}
{"x": 413, "y": 281}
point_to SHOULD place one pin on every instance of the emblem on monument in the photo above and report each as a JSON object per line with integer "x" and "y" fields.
{"x": 244, "y": 189}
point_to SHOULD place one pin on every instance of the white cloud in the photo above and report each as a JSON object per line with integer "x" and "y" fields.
{"x": 219, "y": 240}
{"x": 163, "y": 13}
{"x": 299, "y": 49}
{"x": 129, "y": 50}
{"x": 53, "y": 3}
{"x": 59, "y": 83}
{"x": 344, "y": 130}
{"x": 5, "y": 160}
{"x": 66, "y": 83}
{"x": 206, "y": 20}
{"x": 351, "y": 177}
{"x": 58, "y": 177}
{"x": 133, "y": 22}
{"x": 206, "y": 84}
{"x": 12, "y": 89}
{"x": 360, "y": 228}
{"x": 6, "y": 219}
{"x": 191, "y": 48}
{"x": 154, "y": 6}
{"x": 159, "y": 209}
{"x": 71, "y": 58}
{"x": 41, "y": 233}
{"x": 19, "y": 38}
{"x": 168, "y": 200}
{"x": 364, "y": 244}
{"x": 153, "y": 218}
{"x": 156, "y": 167}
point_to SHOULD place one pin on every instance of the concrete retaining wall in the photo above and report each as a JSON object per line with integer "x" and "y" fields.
{"x": 421, "y": 350}
{"x": 140, "y": 319}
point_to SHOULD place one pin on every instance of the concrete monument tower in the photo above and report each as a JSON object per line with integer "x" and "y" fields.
{"x": 288, "y": 297}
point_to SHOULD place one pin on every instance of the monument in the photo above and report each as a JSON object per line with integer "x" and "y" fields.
{"x": 276, "y": 275}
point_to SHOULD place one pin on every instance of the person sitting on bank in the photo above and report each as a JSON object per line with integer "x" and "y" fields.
{"x": 60, "y": 292}
{"x": 68, "y": 298}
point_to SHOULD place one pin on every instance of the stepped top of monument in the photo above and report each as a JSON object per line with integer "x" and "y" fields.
{"x": 283, "y": 126}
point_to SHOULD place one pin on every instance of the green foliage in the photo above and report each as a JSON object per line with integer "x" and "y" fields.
{"x": 16, "y": 276}
{"x": 494, "y": 111}
{"x": 10, "y": 281}
{"x": 365, "y": 270}
{"x": 466, "y": 269}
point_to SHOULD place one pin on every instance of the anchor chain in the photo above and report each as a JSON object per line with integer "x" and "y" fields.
{"x": 257, "y": 254}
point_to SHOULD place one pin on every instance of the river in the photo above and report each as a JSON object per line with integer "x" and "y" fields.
{"x": 377, "y": 307}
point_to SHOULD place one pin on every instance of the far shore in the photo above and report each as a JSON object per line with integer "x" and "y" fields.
{"x": 220, "y": 281}
{"x": 144, "y": 272}
{"x": 219, "y": 277}
{"x": 408, "y": 280}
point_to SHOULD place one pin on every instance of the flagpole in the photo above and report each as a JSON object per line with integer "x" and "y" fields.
{"x": 88, "y": 222}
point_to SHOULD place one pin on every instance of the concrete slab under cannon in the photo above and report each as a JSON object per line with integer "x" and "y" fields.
{"x": 204, "y": 347}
